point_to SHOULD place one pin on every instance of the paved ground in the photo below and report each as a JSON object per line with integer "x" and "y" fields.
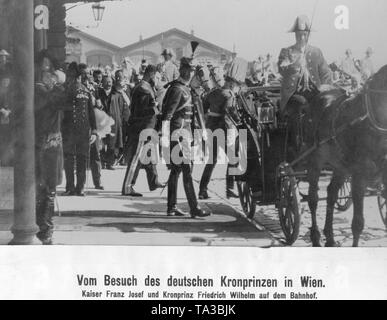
{"x": 108, "y": 218}
{"x": 374, "y": 234}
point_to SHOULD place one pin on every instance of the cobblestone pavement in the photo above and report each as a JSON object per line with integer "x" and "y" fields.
{"x": 107, "y": 218}
{"x": 143, "y": 221}
{"x": 374, "y": 234}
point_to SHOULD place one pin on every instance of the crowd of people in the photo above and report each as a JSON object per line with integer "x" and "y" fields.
{"x": 93, "y": 117}
{"x": 354, "y": 71}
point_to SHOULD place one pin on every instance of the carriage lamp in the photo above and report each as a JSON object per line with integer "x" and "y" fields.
{"x": 98, "y": 11}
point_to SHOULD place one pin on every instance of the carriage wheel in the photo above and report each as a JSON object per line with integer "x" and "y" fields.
{"x": 248, "y": 204}
{"x": 344, "y": 201}
{"x": 382, "y": 203}
{"x": 288, "y": 208}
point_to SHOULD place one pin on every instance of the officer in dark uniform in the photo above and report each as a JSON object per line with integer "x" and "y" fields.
{"x": 79, "y": 132}
{"x": 49, "y": 105}
{"x": 305, "y": 73}
{"x": 177, "y": 116}
{"x": 144, "y": 111}
{"x": 222, "y": 115}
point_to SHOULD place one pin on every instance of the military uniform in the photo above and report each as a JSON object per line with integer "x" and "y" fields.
{"x": 177, "y": 114}
{"x": 96, "y": 147}
{"x": 78, "y": 124}
{"x": 144, "y": 113}
{"x": 317, "y": 68}
{"x": 222, "y": 115}
{"x": 303, "y": 73}
{"x": 49, "y": 104}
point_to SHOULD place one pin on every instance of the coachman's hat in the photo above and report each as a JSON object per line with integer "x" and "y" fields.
{"x": 302, "y": 23}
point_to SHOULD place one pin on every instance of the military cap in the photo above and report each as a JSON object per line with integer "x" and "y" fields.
{"x": 302, "y": 23}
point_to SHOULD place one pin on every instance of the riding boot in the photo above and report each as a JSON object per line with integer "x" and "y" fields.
{"x": 46, "y": 225}
{"x": 189, "y": 187}
{"x": 172, "y": 187}
{"x": 81, "y": 174}
{"x": 40, "y": 205}
{"x": 69, "y": 172}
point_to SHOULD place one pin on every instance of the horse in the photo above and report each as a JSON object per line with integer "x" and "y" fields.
{"x": 350, "y": 135}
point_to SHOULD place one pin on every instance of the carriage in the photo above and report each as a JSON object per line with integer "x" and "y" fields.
{"x": 280, "y": 178}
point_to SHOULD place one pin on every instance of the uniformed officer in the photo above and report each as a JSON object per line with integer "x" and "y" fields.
{"x": 177, "y": 114}
{"x": 49, "y": 104}
{"x": 144, "y": 111}
{"x": 302, "y": 66}
{"x": 222, "y": 115}
{"x": 305, "y": 72}
{"x": 79, "y": 132}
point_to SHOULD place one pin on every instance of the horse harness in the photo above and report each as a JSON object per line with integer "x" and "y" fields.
{"x": 367, "y": 115}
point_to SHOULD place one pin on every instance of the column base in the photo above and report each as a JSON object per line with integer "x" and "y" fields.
{"x": 24, "y": 237}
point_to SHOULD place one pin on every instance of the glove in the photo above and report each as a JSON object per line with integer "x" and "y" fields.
{"x": 93, "y": 138}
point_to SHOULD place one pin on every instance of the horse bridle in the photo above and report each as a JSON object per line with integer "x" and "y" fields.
{"x": 369, "y": 111}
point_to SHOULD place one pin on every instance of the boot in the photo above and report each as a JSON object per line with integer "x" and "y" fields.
{"x": 172, "y": 187}
{"x": 69, "y": 172}
{"x": 131, "y": 192}
{"x": 45, "y": 222}
{"x": 81, "y": 175}
{"x": 174, "y": 211}
{"x": 198, "y": 212}
{"x": 203, "y": 195}
{"x": 158, "y": 185}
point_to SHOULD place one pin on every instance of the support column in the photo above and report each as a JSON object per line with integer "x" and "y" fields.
{"x": 24, "y": 226}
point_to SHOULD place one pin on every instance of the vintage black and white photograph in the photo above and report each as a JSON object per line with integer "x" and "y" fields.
{"x": 234, "y": 123}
